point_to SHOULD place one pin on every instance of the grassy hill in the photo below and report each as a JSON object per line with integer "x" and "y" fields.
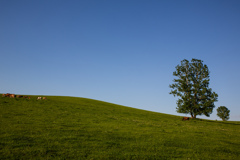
{"x": 79, "y": 128}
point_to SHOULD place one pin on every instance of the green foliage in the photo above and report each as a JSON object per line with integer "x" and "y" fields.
{"x": 79, "y": 128}
{"x": 192, "y": 86}
{"x": 223, "y": 113}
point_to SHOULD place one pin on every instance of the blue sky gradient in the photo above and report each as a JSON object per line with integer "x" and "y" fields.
{"x": 122, "y": 52}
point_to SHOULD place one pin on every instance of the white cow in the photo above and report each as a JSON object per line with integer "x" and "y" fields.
{"x": 39, "y": 98}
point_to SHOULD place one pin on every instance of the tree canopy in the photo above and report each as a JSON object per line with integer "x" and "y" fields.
{"x": 223, "y": 112}
{"x": 192, "y": 88}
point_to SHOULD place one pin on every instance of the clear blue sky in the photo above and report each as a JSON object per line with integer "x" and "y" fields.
{"x": 119, "y": 51}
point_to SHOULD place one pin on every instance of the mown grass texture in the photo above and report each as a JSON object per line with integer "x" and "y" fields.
{"x": 80, "y": 128}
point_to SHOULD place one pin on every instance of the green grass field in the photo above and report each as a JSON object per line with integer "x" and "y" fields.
{"x": 79, "y": 128}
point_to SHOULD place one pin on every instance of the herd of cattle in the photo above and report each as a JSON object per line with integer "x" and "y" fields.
{"x": 20, "y": 96}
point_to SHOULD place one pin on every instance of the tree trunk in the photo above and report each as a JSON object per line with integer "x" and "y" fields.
{"x": 193, "y": 116}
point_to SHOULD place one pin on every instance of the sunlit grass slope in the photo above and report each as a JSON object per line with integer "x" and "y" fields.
{"x": 79, "y": 128}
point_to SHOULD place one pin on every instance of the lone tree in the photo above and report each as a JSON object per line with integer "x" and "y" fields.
{"x": 192, "y": 88}
{"x": 223, "y": 113}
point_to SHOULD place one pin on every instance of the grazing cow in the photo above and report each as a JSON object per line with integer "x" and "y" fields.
{"x": 25, "y": 97}
{"x": 185, "y": 118}
{"x": 39, "y": 98}
{"x": 12, "y": 95}
{"x": 3, "y": 95}
{"x": 44, "y": 98}
{"x": 7, "y": 95}
{"x": 29, "y": 97}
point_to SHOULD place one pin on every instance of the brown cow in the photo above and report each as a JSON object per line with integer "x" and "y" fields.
{"x": 185, "y": 118}
{"x": 3, "y": 95}
{"x": 7, "y": 95}
{"x": 12, "y": 95}
{"x": 44, "y": 97}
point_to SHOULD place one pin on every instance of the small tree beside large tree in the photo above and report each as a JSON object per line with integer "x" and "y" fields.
{"x": 223, "y": 112}
{"x": 192, "y": 88}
